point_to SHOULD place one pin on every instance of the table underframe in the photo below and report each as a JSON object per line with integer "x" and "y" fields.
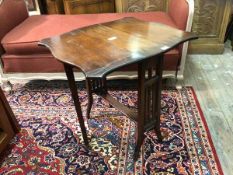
{"x": 147, "y": 116}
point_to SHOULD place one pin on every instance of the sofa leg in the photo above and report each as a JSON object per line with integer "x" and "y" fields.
{"x": 179, "y": 82}
{"x": 6, "y": 86}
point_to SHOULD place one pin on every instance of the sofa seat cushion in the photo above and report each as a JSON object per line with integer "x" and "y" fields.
{"x": 43, "y": 63}
{"x": 36, "y": 63}
{"x": 23, "y": 39}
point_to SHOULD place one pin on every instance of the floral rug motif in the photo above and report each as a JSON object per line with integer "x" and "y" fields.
{"x": 50, "y": 141}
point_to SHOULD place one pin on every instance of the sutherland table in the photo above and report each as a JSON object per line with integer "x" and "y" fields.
{"x": 100, "y": 49}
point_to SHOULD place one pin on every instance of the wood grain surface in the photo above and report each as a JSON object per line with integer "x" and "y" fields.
{"x": 100, "y": 49}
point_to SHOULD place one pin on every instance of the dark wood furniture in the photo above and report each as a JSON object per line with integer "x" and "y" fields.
{"x": 100, "y": 49}
{"x": 8, "y": 123}
{"x": 51, "y": 6}
{"x": 89, "y": 6}
{"x": 54, "y": 6}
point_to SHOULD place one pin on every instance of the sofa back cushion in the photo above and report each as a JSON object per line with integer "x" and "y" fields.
{"x": 12, "y": 13}
{"x": 179, "y": 11}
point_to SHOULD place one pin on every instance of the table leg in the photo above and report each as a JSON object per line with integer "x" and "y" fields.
{"x": 74, "y": 92}
{"x": 157, "y": 91}
{"x": 149, "y": 99}
{"x": 89, "y": 96}
{"x": 95, "y": 85}
{"x": 141, "y": 109}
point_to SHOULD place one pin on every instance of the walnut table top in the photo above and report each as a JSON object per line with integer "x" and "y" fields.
{"x": 100, "y": 49}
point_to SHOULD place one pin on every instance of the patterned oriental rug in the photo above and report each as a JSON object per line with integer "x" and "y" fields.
{"x": 50, "y": 140}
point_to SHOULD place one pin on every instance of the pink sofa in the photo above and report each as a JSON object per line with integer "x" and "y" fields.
{"x": 20, "y": 33}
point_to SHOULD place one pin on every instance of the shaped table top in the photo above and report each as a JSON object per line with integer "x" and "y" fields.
{"x": 102, "y": 48}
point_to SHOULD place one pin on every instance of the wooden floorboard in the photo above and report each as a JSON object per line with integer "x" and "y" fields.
{"x": 212, "y": 79}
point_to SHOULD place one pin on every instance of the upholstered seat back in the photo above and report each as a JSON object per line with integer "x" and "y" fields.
{"x": 12, "y": 13}
{"x": 179, "y": 11}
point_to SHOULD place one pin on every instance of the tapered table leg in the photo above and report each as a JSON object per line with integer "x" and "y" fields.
{"x": 149, "y": 99}
{"x": 159, "y": 72}
{"x": 141, "y": 109}
{"x": 89, "y": 96}
{"x": 73, "y": 88}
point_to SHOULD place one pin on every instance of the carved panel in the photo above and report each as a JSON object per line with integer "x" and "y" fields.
{"x": 146, "y": 5}
{"x": 89, "y": 6}
{"x": 207, "y": 17}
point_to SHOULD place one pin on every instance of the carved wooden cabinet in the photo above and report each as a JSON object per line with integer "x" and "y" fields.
{"x": 54, "y": 6}
{"x": 89, "y": 6}
{"x": 8, "y": 124}
{"x": 210, "y": 20}
{"x": 51, "y": 6}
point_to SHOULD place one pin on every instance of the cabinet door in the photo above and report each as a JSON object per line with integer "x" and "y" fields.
{"x": 6, "y": 130}
{"x": 107, "y": 6}
{"x": 54, "y": 6}
{"x": 81, "y": 6}
{"x": 89, "y": 6}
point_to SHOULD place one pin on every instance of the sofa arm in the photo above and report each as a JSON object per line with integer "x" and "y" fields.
{"x": 12, "y": 13}
{"x": 181, "y": 12}
{"x": 178, "y": 10}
